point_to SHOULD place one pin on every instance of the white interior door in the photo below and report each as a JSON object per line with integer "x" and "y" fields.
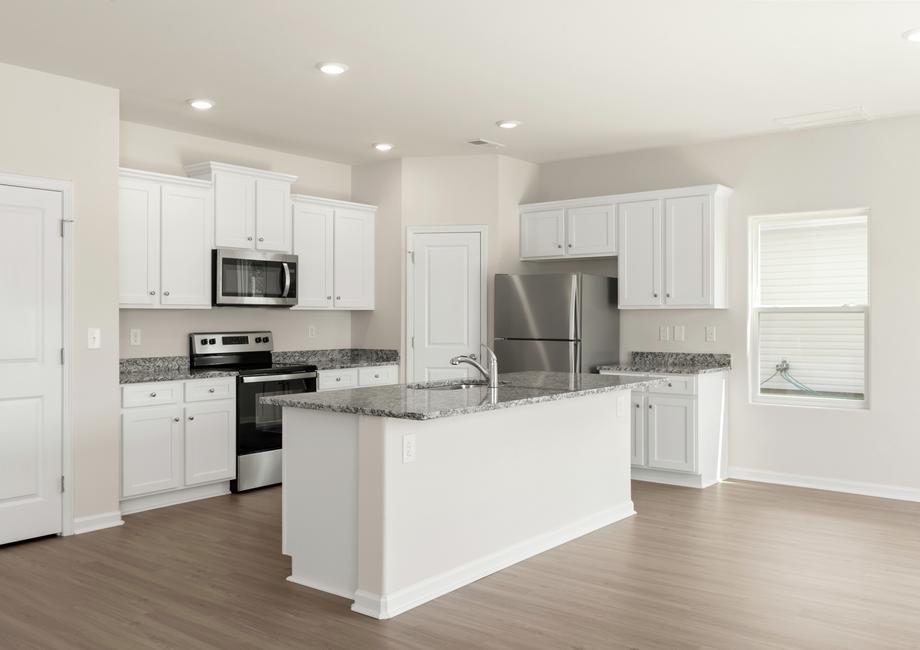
{"x": 30, "y": 363}
{"x": 446, "y": 303}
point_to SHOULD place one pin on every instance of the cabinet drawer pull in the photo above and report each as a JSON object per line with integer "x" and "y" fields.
{"x": 650, "y": 406}
{"x": 667, "y": 295}
{"x": 153, "y": 394}
{"x": 338, "y": 297}
{"x": 249, "y": 239}
{"x": 153, "y": 293}
{"x": 328, "y": 297}
{"x": 211, "y": 390}
{"x": 570, "y": 245}
{"x": 670, "y": 385}
{"x": 654, "y": 295}
{"x": 165, "y": 293}
{"x": 637, "y": 406}
{"x": 175, "y": 419}
{"x": 376, "y": 376}
{"x": 191, "y": 417}
{"x": 338, "y": 379}
{"x": 558, "y": 245}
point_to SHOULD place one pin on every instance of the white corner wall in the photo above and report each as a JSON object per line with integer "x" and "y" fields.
{"x": 874, "y": 165}
{"x": 61, "y": 128}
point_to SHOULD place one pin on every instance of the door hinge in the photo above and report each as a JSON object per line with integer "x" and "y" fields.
{"x": 62, "y": 356}
{"x": 412, "y": 345}
{"x": 412, "y": 256}
{"x": 62, "y": 483}
{"x": 62, "y": 228}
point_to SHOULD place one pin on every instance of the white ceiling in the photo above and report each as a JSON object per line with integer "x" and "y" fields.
{"x": 584, "y": 76}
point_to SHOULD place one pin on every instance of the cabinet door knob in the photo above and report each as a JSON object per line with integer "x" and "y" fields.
{"x": 650, "y": 406}
{"x": 249, "y": 239}
{"x": 175, "y": 419}
{"x": 261, "y": 238}
{"x": 670, "y": 384}
{"x": 637, "y": 406}
{"x": 558, "y": 245}
{"x": 328, "y": 297}
{"x": 153, "y": 293}
{"x": 570, "y": 245}
{"x": 165, "y": 293}
{"x": 153, "y": 394}
{"x": 211, "y": 390}
{"x": 654, "y": 295}
{"x": 338, "y": 379}
{"x": 376, "y": 376}
{"x": 338, "y": 297}
{"x": 191, "y": 417}
{"x": 667, "y": 295}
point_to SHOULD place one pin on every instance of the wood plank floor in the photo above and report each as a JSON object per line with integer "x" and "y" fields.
{"x": 739, "y": 565}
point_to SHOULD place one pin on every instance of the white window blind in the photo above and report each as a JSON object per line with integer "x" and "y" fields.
{"x": 810, "y": 307}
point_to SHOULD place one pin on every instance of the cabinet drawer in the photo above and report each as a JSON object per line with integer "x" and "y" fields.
{"x": 377, "y": 375}
{"x": 150, "y": 394}
{"x": 676, "y": 385}
{"x": 207, "y": 389}
{"x": 336, "y": 379}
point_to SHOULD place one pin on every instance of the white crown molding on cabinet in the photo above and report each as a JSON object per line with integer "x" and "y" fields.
{"x": 157, "y": 177}
{"x": 306, "y": 198}
{"x": 715, "y": 189}
{"x": 206, "y": 170}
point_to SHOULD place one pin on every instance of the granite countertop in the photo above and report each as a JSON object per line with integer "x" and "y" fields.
{"x": 415, "y": 403}
{"x": 672, "y": 363}
{"x": 149, "y": 369}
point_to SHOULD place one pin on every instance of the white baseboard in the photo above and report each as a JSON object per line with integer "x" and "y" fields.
{"x": 174, "y": 498}
{"x": 350, "y": 595}
{"x": 832, "y": 485}
{"x": 669, "y": 478}
{"x": 97, "y": 522}
{"x": 387, "y": 606}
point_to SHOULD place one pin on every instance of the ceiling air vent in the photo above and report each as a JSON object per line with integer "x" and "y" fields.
{"x": 826, "y": 118}
{"x": 491, "y": 144}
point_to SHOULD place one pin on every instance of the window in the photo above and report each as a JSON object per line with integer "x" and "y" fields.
{"x": 810, "y": 308}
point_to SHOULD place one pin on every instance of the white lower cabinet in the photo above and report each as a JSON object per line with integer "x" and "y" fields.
{"x": 342, "y": 378}
{"x": 678, "y": 430}
{"x": 210, "y": 442}
{"x": 166, "y": 451}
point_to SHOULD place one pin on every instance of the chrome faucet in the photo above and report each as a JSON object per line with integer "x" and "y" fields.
{"x": 491, "y": 374}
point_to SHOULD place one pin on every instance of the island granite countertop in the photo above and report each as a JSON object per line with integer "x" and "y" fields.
{"x": 413, "y": 402}
{"x": 671, "y": 363}
{"x": 143, "y": 370}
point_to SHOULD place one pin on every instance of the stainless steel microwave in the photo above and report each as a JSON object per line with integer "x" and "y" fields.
{"x": 254, "y": 278}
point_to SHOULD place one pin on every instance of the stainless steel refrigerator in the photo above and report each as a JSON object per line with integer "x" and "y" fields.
{"x": 556, "y": 321}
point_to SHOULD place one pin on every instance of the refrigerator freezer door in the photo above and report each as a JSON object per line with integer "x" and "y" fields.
{"x": 536, "y": 306}
{"x": 516, "y": 355}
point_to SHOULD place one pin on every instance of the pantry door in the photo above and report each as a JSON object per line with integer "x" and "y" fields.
{"x": 31, "y": 370}
{"x": 446, "y": 301}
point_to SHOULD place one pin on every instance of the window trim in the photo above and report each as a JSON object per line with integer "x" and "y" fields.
{"x": 755, "y": 309}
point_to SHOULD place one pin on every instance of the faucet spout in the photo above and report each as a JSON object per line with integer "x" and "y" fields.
{"x": 491, "y": 375}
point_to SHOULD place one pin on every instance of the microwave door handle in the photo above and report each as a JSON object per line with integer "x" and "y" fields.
{"x": 287, "y": 280}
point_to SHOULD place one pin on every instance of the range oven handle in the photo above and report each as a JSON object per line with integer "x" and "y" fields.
{"x": 287, "y": 279}
{"x": 262, "y": 379}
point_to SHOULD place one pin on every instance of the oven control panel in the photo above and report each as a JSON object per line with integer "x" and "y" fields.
{"x": 229, "y": 342}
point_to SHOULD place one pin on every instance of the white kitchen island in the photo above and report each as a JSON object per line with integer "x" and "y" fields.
{"x": 396, "y": 495}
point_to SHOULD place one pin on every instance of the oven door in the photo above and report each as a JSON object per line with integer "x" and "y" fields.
{"x": 258, "y": 426}
{"x": 254, "y": 278}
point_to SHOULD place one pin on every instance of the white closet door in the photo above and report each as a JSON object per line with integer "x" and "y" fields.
{"x": 446, "y": 303}
{"x": 186, "y": 224}
{"x": 30, "y": 363}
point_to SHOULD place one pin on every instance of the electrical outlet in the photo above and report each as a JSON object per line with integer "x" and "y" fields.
{"x": 680, "y": 333}
{"x": 664, "y": 333}
{"x": 135, "y": 336}
{"x": 409, "y": 448}
{"x": 311, "y": 332}
{"x": 710, "y": 333}
{"x": 94, "y": 338}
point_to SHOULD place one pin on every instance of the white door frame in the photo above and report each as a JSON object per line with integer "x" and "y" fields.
{"x": 483, "y": 232}
{"x": 67, "y": 289}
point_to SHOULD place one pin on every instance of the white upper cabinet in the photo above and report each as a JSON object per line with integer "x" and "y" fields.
{"x": 313, "y": 242}
{"x": 251, "y": 206}
{"x": 591, "y": 231}
{"x": 334, "y": 244}
{"x": 640, "y": 228}
{"x": 542, "y": 234}
{"x": 138, "y": 242}
{"x": 688, "y": 259}
{"x": 353, "y": 259}
{"x": 186, "y": 225}
{"x": 165, "y": 228}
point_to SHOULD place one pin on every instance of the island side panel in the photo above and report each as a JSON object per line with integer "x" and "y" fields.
{"x": 490, "y": 489}
{"x": 320, "y": 499}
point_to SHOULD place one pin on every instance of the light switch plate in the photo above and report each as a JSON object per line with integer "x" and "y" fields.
{"x": 409, "y": 448}
{"x": 664, "y": 333}
{"x": 710, "y": 333}
{"x": 311, "y": 332}
{"x": 135, "y": 337}
{"x": 680, "y": 333}
{"x": 94, "y": 338}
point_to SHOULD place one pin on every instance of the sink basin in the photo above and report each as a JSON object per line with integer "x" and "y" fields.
{"x": 452, "y": 386}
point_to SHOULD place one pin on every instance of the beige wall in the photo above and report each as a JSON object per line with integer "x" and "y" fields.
{"x": 165, "y": 332}
{"x": 872, "y": 165}
{"x": 65, "y": 129}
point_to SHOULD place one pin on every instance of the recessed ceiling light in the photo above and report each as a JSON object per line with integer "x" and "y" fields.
{"x": 201, "y": 104}
{"x": 912, "y": 35}
{"x": 383, "y": 146}
{"x": 331, "y": 67}
{"x": 508, "y": 124}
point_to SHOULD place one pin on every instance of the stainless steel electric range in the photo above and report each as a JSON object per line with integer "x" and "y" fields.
{"x": 258, "y": 426}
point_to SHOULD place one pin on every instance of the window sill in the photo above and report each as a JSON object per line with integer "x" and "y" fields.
{"x": 827, "y": 403}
